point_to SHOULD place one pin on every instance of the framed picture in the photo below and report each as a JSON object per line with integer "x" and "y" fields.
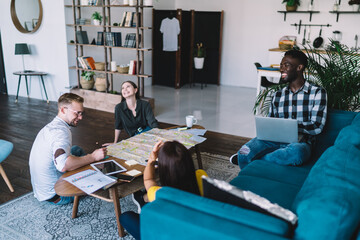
{"x": 28, "y": 26}
{"x": 34, "y": 22}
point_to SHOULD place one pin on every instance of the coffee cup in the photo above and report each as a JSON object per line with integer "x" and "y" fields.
{"x": 190, "y": 120}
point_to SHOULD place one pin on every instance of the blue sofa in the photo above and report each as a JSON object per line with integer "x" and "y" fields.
{"x": 324, "y": 194}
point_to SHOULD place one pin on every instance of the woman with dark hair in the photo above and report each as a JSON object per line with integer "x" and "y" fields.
{"x": 132, "y": 114}
{"x": 176, "y": 169}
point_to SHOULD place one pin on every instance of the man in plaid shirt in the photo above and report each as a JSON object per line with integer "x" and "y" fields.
{"x": 299, "y": 100}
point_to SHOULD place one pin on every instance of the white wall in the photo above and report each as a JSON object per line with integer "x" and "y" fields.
{"x": 250, "y": 29}
{"x": 47, "y": 47}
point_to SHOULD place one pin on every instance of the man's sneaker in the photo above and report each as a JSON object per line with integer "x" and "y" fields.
{"x": 234, "y": 159}
{"x": 138, "y": 199}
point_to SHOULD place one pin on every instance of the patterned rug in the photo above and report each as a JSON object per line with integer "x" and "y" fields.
{"x": 26, "y": 218}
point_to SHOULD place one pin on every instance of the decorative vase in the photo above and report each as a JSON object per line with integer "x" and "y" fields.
{"x": 87, "y": 84}
{"x": 96, "y": 22}
{"x": 100, "y": 84}
{"x": 132, "y": 2}
{"x": 291, "y": 8}
{"x": 199, "y": 62}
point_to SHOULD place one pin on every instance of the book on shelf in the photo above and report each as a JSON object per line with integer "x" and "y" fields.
{"x": 81, "y": 37}
{"x": 123, "y": 19}
{"x": 130, "y": 40}
{"x": 128, "y": 19}
{"x": 90, "y": 62}
{"x": 109, "y": 41}
{"x": 87, "y": 62}
{"x": 100, "y": 38}
{"x": 117, "y": 39}
{"x": 82, "y": 64}
{"x": 135, "y": 19}
{"x": 132, "y": 67}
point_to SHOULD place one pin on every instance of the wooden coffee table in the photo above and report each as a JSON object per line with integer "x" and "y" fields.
{"x": 113, "y": 194}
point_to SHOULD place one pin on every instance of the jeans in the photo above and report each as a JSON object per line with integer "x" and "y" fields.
{"x": 63, "y": 201}
{"x": 131, "y": 222}
{"x": 280, "y": 153}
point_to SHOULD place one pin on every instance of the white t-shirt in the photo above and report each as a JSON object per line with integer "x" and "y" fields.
{"x": 44, "y": 169}
{"x": 170, "y": 29}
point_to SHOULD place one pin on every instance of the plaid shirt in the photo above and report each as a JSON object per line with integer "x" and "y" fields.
{"x": 308, "y": 105}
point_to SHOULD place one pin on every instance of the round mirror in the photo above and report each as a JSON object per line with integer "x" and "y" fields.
{"x": 26, "y": 15}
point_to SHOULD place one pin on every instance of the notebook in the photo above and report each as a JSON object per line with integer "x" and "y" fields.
{"x": 276, "y": 129}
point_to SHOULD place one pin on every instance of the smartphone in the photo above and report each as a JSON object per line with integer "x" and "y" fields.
{"x": 125, "y": 178}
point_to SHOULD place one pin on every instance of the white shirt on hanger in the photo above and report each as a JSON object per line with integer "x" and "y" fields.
{"x": 170, "y": 28}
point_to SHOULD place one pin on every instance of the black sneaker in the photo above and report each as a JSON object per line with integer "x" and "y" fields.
{"x": 138, "y": 199}
{"x": 234, "y": 159}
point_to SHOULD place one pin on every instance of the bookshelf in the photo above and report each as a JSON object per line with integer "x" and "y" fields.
{"x": 106, "y": 52}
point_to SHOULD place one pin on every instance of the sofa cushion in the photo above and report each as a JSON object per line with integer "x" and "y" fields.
{"x": 335, "y": 121}
{"x": 328, "y": 203}
{"x": 273, "y": 190}
{"x": 182, "y": 213}
{"x": 294, "y": 175}
{"x": 225, "y": 192}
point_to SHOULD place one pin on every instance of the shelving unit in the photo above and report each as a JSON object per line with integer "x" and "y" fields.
{"x": 106, "y": 27}
{"x": 307, "y": 12}
{"x": 342, "y": 12}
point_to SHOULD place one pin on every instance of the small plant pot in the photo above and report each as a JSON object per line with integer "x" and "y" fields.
{"x": 291, "y": 8}
{"x": 199, "y": 63}
{"x": 85, "y": 84}
{"x": 96, "y": 22}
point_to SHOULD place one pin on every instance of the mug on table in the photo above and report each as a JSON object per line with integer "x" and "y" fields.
{"x": 190, "y": 120}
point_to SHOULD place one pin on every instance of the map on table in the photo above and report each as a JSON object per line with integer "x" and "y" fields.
{"x": 139, "y": 147}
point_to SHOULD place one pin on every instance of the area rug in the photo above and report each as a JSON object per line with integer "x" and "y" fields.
{"x": 26, "y": 218}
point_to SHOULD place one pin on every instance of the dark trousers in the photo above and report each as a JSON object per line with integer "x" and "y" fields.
{"x": 131, "y": 222}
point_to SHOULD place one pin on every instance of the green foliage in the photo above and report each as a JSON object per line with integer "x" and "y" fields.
{"x": 263, "y": 100}
{"x": 87, "y": 75}
{"x": 292, "y": 2}
{"x": 338, "y": 71}
{"x": 96, "y": 16}
{"x": 200, "y": 51}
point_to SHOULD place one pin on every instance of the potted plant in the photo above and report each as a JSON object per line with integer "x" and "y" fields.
{"x": 199, "y": 56}
{"x": 87, "y": 80}
{"x": 291, "y": 5}
{"x": 337, "y": 71}
{"x": 96, "y": 17}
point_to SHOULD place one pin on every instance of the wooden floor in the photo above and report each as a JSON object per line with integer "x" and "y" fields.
{"x": 20, "y": 122}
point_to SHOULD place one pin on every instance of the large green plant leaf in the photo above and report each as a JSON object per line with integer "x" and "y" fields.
{"x": 338, "y": 71}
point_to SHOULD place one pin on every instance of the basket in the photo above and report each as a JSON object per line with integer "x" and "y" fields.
{"x": 123, "y": 69}
{"x": 100, "y": 84}
{"x": 287, "y": 42}
{"x": 100, "y": 66}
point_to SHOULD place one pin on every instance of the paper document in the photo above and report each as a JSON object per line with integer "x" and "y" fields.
{"x": 139, "y": 147}
{"x": 198, "y": 132}
{"x": 89, "y": 180}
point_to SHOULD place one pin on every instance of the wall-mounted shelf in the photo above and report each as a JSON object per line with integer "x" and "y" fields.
{"x": 342, "y": 12}
{"x": 306, "y": 12}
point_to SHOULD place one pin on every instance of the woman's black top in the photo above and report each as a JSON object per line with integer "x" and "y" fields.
{"x": 124, "y": 119}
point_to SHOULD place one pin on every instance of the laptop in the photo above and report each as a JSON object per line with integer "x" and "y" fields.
{"x": 276, "y": 129}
